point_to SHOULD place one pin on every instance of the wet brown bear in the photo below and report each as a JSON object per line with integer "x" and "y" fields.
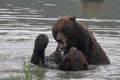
{"x": 69, "y": 33}
{"x": 75, "y": 41}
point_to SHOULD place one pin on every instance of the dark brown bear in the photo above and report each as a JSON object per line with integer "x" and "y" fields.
{"x": 69, "y": 33}
{"x": 75, "y": 41}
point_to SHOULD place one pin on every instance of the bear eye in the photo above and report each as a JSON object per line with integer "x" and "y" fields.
{"x": 55, "y": 32}
{"x": 62, "y": 30}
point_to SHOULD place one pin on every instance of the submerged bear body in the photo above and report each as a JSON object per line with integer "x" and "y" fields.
{"x": 76, "y": 42}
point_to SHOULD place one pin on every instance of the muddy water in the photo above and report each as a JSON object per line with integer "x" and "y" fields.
{"x": 22, "y": 20}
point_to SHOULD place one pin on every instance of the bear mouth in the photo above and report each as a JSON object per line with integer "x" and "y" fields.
{"x": 61, "y": 51}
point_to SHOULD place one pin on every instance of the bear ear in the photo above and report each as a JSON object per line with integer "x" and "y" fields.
{"x": 73, "y": 18}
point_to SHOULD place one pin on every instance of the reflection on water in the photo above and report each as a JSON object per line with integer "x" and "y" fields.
{"x": 90, "y": 8}
{"x": 22, "y": 21}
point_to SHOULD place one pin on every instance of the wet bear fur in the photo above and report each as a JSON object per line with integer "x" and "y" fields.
{"x": 74, "y": 60}
{"x": 78, "y": 36}
{"x": 78, "y": 44}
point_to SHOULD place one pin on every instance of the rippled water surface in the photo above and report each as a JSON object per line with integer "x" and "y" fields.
{"x": 22, "y": 20}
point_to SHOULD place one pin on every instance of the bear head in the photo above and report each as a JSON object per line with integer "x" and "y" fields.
{"x": 66, "y": 31}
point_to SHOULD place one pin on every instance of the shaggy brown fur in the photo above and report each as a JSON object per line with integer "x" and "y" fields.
{"x": 77, "y": 35}
{"x": 78, "y": 44}
{"x": 74, "y": 60}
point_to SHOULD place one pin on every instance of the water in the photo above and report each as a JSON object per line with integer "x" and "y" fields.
{"x": 22, "y": 20}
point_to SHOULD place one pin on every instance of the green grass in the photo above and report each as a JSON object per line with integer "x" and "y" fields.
{"x": 27, "y": 73}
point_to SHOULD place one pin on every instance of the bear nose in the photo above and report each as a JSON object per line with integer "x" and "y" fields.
{"x": 59, "y": 41}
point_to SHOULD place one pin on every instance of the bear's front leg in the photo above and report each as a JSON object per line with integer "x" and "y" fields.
{"x": 41, "y": 43}
{"x": 74, "y": 60}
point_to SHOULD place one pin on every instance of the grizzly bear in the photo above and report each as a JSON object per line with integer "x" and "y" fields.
{"x": 77, "y": 47}
{"x": 74, "y": 34}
